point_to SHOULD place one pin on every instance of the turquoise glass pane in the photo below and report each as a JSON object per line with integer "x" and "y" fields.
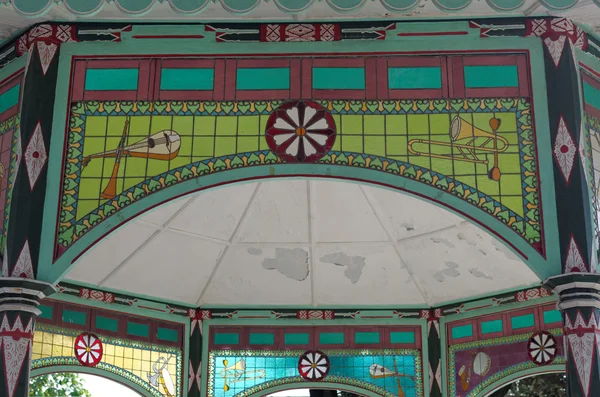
{"x": 46, "y": 312}
{"x": 227, "y": 339}
{"x": 402, "y": 337}
{"x": 168, "y": 334}
{"x": 491, "y": 76}
{"x": 525, "y": 321}
{"x": 109, "y": 324}
{"x": 338, "y": 78}
{"x": 187, "y": 79}
{"x": 552, "y": 316}
{"x": 591, "y": 95}
{"x": 331, "y": 338}
{"x": 414, "y": 78}
{"x": 71, "y": 316}
{"x": 136, "y": 329}
{"x": 464, "y": 331}
{"x": 296, "y": 339}
{"x": 263, "y": 79}
{"x": 262, "y": 339}
{"x": 111, "y": 79}
{"x": 489, "y": 327}
{"x": 366, "y": 337}
{"x": 10, "y": 98}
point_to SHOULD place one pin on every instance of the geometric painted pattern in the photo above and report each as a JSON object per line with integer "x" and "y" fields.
{"x": 513, "y": 199}
{"x": 16, "y": 344}
{"x": 35, "y": 155}
{"x": 574, "y": 261}
{"x": 564, "y": 150}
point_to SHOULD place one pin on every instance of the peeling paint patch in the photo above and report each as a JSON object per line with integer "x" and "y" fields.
{"x": 254, "y": 251}
{"x": 439, "y": 240}
{"x": 479, "y": 274}
{"x": 451, "y": 271}
{"x": 409, "y": 227}
{"x": 354, "y": 264}
{"x": 464, "y": 238}
{"x": 292, "y": 263}
{"x": 505, "y": 250}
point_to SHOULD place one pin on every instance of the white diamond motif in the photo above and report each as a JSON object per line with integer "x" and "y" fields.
{"x": 555, "y": 48}
{"x": 564, "y": 150}
{"x": 35, "y": 156}
{"x": 574, "y": 261}
{"x": 24, "y": 266}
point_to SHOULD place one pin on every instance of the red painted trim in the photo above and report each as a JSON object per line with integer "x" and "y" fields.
{"x": 523, "y": 71}
{"x": 251, "y": 95}
{"x": 589, "y": 70}
{"x": 499, "y": 316}
{"x": 382, "y": 78}
{"x": 400, "y": 62}
{"x": 171, "y": 36}
{"x": 371, "y": 78}
{"x": 375, "y": 183}
{"x": 348, "y": 338}
{"x": 230, "y": 78}
{"x": 415, "y": 94}
{"x": 277, "y": 337}
{"x": 190, "y": 95}
{"x": 492, "y": 92}
{"x": 187, "y": 63}
{"x": 591, "y": 110}
{"x": 458, "y": 77}
{"x": 9, "y": 83}
{"x": 387, "y": 342}
{"x": 109, "y": 95}
{"x": 504, "y": 60}
{"x": 461, "y": 33}
{"x": 78, "y": 309}
{"x": 144, "y": 77}
{"x": 263, "y": 63}
{"x": 444, "y": 71}
{"x": 171, "y": 326}
{"x": 54, "y": 319}
{"x": 102, "y": 331}
{"x": 299, "y": 330}
{"x": 127, "y": 63}
{"x": 295, "y": 78}
{"x": 141, "y": 321}
{"x": 307, "y": 78}
{"x": 382, "y": 337}
{"x": 8, "y": 113}
{"x": 451, "y": 326}
{"x": 591, "y": 80}
{"x": 226, "y": 330}
{"x": 338, "y": 62}
{"x": 13, "y": 76}
{"x": 339, "y": 94}
{"x": 219, "y": 86}
{"x": 523, "y": 312}
{"x": 154, "y": 83}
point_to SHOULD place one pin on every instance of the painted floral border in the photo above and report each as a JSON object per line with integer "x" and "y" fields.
{"x": 505, "y": 340}
{"x": 342, "y": 380}
{"x": 529, "y": 228}
{"x": 63, "y": 360}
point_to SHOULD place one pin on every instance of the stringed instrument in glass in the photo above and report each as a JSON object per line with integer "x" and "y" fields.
{"x": 164, "y": 145}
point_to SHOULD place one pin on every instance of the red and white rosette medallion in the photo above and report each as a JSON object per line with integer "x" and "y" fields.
{"x": 542, "y": 348}
{"x": 300, "y": 131}
{"x": 88, "y": 349}
{"x": 313, "y": 365}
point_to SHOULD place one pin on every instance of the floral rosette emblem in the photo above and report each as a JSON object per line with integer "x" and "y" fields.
{"x": 313, "y": 365}
{"x": 300, "y": 131}
{"x": 88, "y": 349}
{"x": 542, "y": 348}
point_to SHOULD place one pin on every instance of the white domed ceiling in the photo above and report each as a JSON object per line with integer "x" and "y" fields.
{"x": 302, "y": 243}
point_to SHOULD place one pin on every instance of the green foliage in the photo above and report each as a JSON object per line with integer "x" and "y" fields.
{"x": 58, "y": 385}
{"x": 550, "y": 385}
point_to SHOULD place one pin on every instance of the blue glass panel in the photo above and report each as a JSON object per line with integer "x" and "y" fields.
{"x": 489, "y": 327}
{"x": 187, "y": 79}
{"x": 464, "y": 331}
{"x": 591, "y": 95}
{"x": 402, "y": 337}
{"x": 10, "y": 98}
{"x": 552, "y": 316}
{"x": 227, "y": 339}
{"x": 111, "y": 79}
{"x": 263, "y": 79}
{"x": 414, "y": 78}
{"x": 524, "y": 321}
{"x": 338, "y": 78}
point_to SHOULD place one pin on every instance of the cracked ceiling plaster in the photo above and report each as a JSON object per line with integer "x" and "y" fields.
{"x": 302, "y": 243}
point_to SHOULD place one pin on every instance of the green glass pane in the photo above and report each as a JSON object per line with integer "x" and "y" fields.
{"x": 464, "y": 331}
{"x": 10, "y": 98}
{"x": 262, "y": 339}
{"x": 296, "y": 339}
{"x": 331, "y": 338}
{"x": 136, "y": 329}
{"x": 109, "y": 324}
{"x": 187, "y": 79}
{"x": 73, "y": 317}
{"x": 524, "y": 321}
{"x": 491, "y": 76}
{"x": 111, "y": 79}
{"x": 366, "y": 337}
{"x": 489, "y": 327}
{"x": 414, "y": 78}
{"x": 168, "y": 334}
{"x": 263, "y": 79}
{"x": 402, "y": 337}
{"x": 338, "y": 78}
{"x": 227, "y": 339}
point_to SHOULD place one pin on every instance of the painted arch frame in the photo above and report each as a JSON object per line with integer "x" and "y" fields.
{"x": 538, "y": 263}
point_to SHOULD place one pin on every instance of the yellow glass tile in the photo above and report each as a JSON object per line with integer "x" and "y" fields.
{"x": 137, "y": 354}
{"x": 56, "y": 351}
{"x": 46, "y": 350}
{"x": 68, "y": 341}
{"x": 109, "y": 350}
{"x": 68, "y": 351}
{"x": 35, "y": 356}
{"x": 108, "y": 359}
{"x": 118, "y": 362}
{"x": 145, "y": 355}
{"x": 128, "y": 364}
{"x": 47, "y": 338}
{"x": 137, "y": 365}
{"x": 57, "y": 340}
{"x": 37, "y": 336}
{"x": 36, "y": 348}
{"x": 119, "y": 351}
{"x": 128, "y": 352}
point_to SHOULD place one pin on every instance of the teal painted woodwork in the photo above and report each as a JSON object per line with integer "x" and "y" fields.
{"x": 10, "y": 98}
{"x": 263, "y": 79}
{"x": 525, "y": 321}
{"x": 227, "y": 339}
{"x": 491, "y": 76}
{"x": 338, "y": 78}
{"x": 552, "y": 316}
{"x": 366, "y": 338}
{"x": 414, "y": 78}
{"x": 108, "y": 324}
{"x": 168, "y": 334}
{"x": 402, "y": 337}
{"x": 73, "y": 317}
{"x": 331, "y": 338}
{"x": 463, "y": 331}
{"x": 137, "y": 329}
{"x": 591, "y": 95}
{"x": 489, "y": 327}
{"x": 262, "y": 339}
{"x": 111, "y": 79}
{"x": 296, "y": 339}
{"x": 46, "y": 312}
{"x": 187, "y": 79}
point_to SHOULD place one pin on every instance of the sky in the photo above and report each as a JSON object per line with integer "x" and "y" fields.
{"x": 102, "y": 387}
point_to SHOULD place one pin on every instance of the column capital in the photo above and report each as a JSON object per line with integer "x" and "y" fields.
{"x": 21, "y": 294}
{"x": 576, "y": 290}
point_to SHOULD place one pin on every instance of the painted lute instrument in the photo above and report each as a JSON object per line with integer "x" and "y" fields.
{"x": 164, "y": 145}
